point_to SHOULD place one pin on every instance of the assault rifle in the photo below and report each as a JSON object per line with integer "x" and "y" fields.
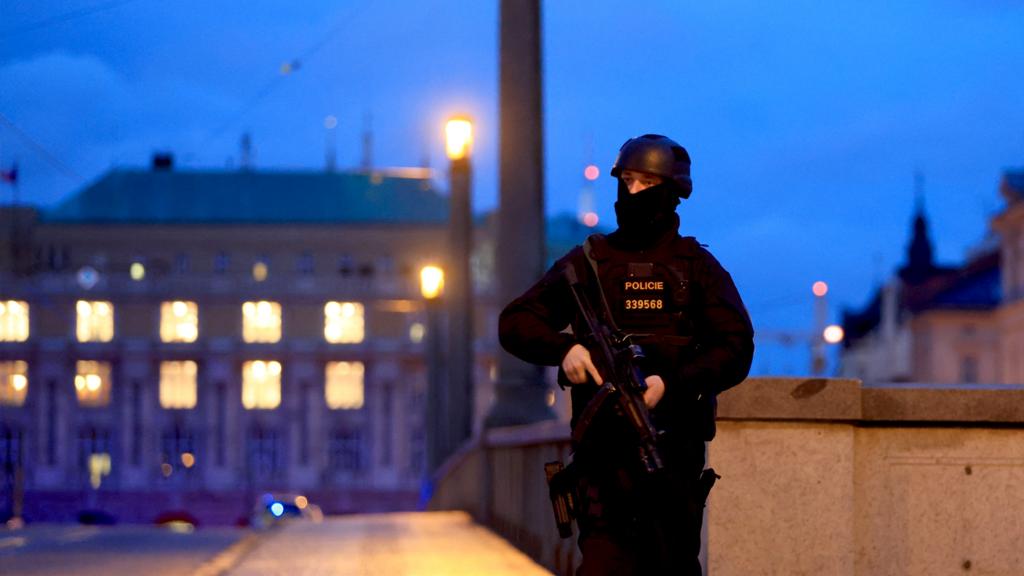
{"x": 617, "y": 360}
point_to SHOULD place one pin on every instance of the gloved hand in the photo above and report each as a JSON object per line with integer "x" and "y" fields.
{"x": 577, "y": 365}
{"x": 655, "y": 390}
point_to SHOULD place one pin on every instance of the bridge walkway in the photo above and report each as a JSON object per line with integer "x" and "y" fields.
{"x": 399, "y": 544}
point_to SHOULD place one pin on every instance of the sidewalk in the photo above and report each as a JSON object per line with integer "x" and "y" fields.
{"x": 402, "y": 544}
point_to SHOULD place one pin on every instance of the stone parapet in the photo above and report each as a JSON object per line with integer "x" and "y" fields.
{"x": 848, "y": 400}
{"x": 819, "y": 476}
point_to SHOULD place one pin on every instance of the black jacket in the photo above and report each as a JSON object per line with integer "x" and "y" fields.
{"x": 532, "y": 327}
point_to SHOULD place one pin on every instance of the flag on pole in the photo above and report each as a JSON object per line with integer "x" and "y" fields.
{"x": 10, "y": 176}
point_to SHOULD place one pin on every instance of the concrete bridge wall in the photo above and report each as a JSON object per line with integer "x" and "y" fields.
{"x": 821, "y": 476}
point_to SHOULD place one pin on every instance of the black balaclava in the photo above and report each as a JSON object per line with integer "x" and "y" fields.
{"x": 646, "y": 216}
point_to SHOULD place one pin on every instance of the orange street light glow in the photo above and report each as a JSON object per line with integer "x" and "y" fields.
{"x": 458, "y": 138}
{"x": 431, "y": 282}
{"x": 819, "y": 288}
{"x": 591, "y": 172}
{"x": 590, "y": 219}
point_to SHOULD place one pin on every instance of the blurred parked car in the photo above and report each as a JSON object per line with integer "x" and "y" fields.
{"x": 271, "y": 509}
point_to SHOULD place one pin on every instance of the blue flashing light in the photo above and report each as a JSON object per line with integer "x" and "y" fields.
{"x": 277, "y": 509}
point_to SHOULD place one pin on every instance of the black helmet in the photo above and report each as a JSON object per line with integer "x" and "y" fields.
{"x": 658, "y": 155}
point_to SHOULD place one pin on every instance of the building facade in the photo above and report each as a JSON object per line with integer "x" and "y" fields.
{"x": 948, "y": 325}
{"x": 176, "y": 343}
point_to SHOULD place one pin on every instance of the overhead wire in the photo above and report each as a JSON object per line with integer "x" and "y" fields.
{"x": 41, "y": 150}
{"x": 287, "y": 70}
{"x": 65, "y": 17}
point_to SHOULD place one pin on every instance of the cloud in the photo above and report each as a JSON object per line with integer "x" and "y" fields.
{"x": 90, "y": 117}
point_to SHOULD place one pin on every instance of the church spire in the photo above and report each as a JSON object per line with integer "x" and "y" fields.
{"x": 920, "y": 257}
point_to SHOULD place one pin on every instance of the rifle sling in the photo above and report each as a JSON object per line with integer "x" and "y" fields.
{"x": 600, "y": 290}
{"x": 681, "y": 341}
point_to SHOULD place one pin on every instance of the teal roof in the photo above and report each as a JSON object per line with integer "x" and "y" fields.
{"x": 242, "y": 196}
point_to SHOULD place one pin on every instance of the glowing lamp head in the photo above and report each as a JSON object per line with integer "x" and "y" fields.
{"x": 819, "y": 288}
{"x": 458, "y": 138}
{"x": 833, "y": 334}
{"x": 431, "y": 282}
{"x": 591, "y": 172}
{"x": 590, "y": 219}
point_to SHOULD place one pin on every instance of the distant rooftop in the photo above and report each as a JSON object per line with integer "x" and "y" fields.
{"x": 1012, "y": 186}
{"x": 172, "y": 196}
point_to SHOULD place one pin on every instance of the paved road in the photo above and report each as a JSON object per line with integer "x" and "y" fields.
{"x": 403, "y": 544}
{"x": 51, "y": 550}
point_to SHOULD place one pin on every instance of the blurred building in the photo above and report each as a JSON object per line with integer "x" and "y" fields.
{"x": 177, "y": 340}
{"x": 938, "y": 324}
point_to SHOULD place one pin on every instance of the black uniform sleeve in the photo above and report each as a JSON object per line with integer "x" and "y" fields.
{"x": 530, "y": 327}
{"x": 726, "y": 347}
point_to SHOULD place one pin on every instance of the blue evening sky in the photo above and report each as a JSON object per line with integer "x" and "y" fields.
{"x": 806, "y": 120}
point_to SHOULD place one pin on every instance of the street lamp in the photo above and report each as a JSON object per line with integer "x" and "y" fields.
{"x": 833, "y": 334}
{"x": 431, "y": 282}
{"x": 431, "y": 287}
{"x": 458, "y": 134}
{"x": 459, "y": 296}
{"x": 819, "y": 289}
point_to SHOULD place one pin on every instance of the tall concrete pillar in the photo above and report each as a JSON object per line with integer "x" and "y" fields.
{"x": 520, "y": 390}
{"x": 459, "y": 295}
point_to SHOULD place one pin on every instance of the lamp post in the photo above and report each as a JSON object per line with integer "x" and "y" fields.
{"x": 459, "y": 297}
{"x": 431, "y": 287}
{"x": 820, "y": 289}
{"x": 818, "y": 338}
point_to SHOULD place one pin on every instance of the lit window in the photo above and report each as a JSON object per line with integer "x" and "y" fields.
{"x": 261, "y": 385}
{"x": 259, "y": 271}
{"x": 94, "y": 450}
{"x": 13, "y": 382}
{"x": 99, "y": 468}
{"x": 92, "y": 383}
{"x": 178, "y": 384}
{"x": 344, "y": 389}
{"x": 13, "y": 321}
{"x": 138, "y": 271}
{"x": 343, "y": 322}
{"x": 179, "y": 321}
{"x": 95, "y": 321}
{"x": 261, "y": 321}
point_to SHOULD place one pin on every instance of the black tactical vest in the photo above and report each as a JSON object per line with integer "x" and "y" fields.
{"x": 649, "y": 293}
{"x": 653, "y": 295}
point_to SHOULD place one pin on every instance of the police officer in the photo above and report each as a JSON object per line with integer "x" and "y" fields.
{"x": 682, "y": 307}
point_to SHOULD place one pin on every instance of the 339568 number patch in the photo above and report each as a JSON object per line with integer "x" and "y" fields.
{"x": 644, "y": 304}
